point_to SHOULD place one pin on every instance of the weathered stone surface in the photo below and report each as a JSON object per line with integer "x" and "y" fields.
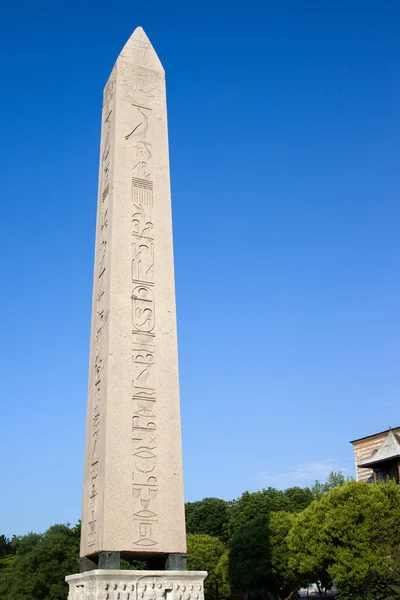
{"x": 137, "y": 585}
{"x": 133, "y": 487}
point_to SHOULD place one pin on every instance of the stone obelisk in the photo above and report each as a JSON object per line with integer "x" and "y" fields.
{"x": 133, "y": 486}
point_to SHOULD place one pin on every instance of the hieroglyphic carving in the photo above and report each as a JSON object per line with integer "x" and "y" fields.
{"x": 143, "y": 314}
{"x": 145, "y": 93}
{"x": 100, "y": 310}
{"x": 142, "y": 192}
{"x": 142, "y": 228}
{"x": 141, "y": 97}
{"x": 143, "y": 368}
{"x": 141, "y": 156}
{"x": 142, "y": 259}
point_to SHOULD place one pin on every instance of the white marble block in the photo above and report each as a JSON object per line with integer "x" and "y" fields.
{"x": 137, "y": 585}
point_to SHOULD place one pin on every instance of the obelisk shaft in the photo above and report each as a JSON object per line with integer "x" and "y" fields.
{"x": 133, "y": 486}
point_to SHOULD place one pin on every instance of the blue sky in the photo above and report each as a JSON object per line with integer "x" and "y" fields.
{"x": 283, "y": 122}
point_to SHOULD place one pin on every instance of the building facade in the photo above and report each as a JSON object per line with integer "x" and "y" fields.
{"x": 377, "y": 456}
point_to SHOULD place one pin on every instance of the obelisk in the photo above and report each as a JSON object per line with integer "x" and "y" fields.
{"x": 133, "y": 486}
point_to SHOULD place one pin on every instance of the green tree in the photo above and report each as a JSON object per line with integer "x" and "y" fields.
{"x": 221, "y": 573}
{"x": 264, "y": 502}
{"x": 350, "y": 536}
{"x": 259, "y": 558}
{"x": 335, "y": 479}
{"x": 297, "y": 498}
{"x": 251, "y": 505}
{"x": 40, "y": 564}
{"x": 5, "y": 546}
{"x": 249, "y": 568}
{"x": 205, "y": 552}
{"x": 395, "y": 588}
{"x": 132, "y": 565}
{"x": 6, "y": 562}
{"x": 209, "y": 516}
{"x": 286, "y": 579}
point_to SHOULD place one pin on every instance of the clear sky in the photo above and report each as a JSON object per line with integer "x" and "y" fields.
{"x": 284, "y": 125}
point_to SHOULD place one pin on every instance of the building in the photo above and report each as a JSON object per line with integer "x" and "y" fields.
{"x": 377, "y": 456}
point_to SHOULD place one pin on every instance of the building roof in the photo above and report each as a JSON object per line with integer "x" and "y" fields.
{"x": 390, "y": 449}
{"x": 374, "y": 434}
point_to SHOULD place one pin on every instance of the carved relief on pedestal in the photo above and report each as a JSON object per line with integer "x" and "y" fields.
{"x": 189, "y": 591}
{"x": 83, "y": 591}
{"x": 119, "y": 591}
{"x": 139, "y": 587}
{"x": 146, "y": 587}
{"x": 152, "y": 588}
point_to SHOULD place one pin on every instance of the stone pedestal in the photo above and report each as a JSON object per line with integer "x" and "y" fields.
{"x": 102, "y": 584}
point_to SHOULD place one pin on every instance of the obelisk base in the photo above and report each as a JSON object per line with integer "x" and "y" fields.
{"x": 102, "y": 584}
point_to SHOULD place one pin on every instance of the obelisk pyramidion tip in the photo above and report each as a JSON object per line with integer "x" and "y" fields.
{"x": 139, "y": 51}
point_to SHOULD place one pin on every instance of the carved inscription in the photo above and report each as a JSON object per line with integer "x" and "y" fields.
{"x": 143, "y": 315}
{"x": 136, "y": 588}
{"x": 119, "y": 591}
{"x": 152, "y": 588}
{"x": 142, "y": 260}
{"x": 142, "y": 191}
{"x": 101, "y": 310}
{"x": 141, "y": 98}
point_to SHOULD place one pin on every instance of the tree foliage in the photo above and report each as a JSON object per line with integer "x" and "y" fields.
{"x": 5, "y": 546}
{"x": 394, "y": 593}
{"x": 264, "y": 502}
{"x": 209, "y": 516}
{"x": 259, "y": 560}
{"x": 350, "y": 536}
{"x": 39, "y": 566}
{"x": 221, "y": 573}
{"x": 297, "y": 499}
{"x": 285, "y": 577}
{"x": 249, "y": 566}
{"x": 205, "y": 552}
{"x": 335, "y": 479}
{"x": 6, "y": 562}
{"x": 267, "y": 545}
{"x": 250, "y": 506}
